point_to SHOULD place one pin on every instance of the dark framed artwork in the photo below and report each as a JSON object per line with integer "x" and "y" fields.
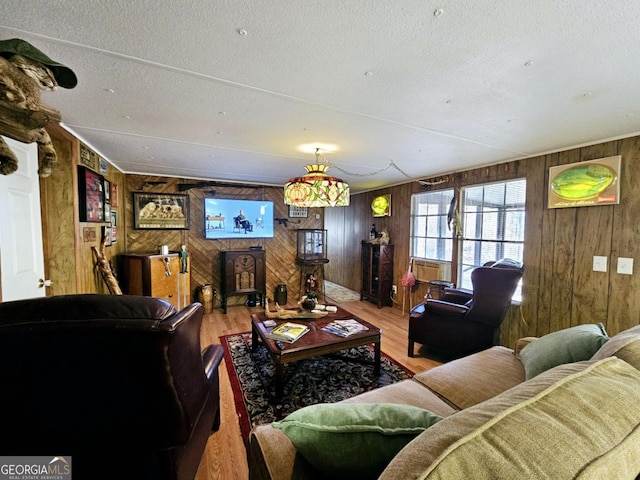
{"x": 160, "y": 211}
{"x": 91, "y": 195}
{"x": 87, "y": 157}
{"x": 107, "y": 194}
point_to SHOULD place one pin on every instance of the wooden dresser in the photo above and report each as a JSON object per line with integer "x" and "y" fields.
{"x": 155, "y": 275}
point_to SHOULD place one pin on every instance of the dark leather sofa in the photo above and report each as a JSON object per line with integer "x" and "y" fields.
{"x": 462, "y": 321}
{"x": 118, "y": 383}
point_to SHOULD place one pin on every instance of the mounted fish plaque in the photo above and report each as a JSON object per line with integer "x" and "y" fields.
{"x": 585, "y": 184}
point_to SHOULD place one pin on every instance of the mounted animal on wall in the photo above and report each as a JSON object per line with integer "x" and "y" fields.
{"x": 24, "y": 72}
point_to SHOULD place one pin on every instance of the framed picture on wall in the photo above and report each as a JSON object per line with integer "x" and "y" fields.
{"x": 91, "y": 195}
{"x": 114, "y": 226}
{"x": 381, "y": 206}
{"x": 87, "y": 157}
{"x": 160, "y": 211}
{"x": 114, "y": 194}
{"x": 585, "y": 184}
{"x": 297, "y": 212}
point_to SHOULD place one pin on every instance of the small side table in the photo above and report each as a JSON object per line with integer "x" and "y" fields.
{"x": 436, "y": 287}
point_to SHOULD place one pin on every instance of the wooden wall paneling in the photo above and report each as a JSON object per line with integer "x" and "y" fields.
{"x": 59, "y": 230}
{"x": 281, "y": 249}
{"x": 541, "y": 318}
{"x": 593, "y": 237}
{"x": 198, "y": 248}
{"x": 337, "y": 243}
{"x": 346, "y": 228}
{"x": 624, "y": 301}
{"x": 563, "y": 245}
{"x": 590, "y": 289}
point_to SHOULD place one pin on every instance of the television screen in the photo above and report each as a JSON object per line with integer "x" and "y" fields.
{"x": 231, "y": 218}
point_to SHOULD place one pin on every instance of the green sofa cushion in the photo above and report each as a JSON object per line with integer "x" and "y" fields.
{"x": 570, "y": 345}
{"x": 625, "y": 345}
{"x": 557, "y": 434}
{"x": 354, "y": 440}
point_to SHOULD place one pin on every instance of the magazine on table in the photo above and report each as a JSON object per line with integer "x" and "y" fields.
{"x": 344, "y": 328}
{"x": 288, "y": 332}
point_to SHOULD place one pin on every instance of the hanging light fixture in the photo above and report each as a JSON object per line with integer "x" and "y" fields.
{"x": 316, "y": 188}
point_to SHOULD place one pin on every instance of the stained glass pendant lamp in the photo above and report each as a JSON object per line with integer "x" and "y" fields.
{"x": 316, "y": 188}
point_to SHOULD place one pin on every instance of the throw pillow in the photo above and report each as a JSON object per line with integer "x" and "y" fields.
{"x": 354, "y": 440}
{"x": 570, "y": 345}
{"x": 625, "y": 345}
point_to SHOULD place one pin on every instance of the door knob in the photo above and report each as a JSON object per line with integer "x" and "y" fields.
{"x": 44, "y": 283}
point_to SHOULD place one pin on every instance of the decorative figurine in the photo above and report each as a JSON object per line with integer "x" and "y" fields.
{"x": 383, "y": 239}
{"x": 311, "y": 284}
{"x": 183, "y": 258}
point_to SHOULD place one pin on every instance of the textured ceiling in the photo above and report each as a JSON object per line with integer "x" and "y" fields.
{"x": 235, "y": 90}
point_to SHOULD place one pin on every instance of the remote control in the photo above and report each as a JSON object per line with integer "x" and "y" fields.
{"x": 279, "y": 345}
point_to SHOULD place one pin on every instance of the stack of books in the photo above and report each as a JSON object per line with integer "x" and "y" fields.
{"x": 344, "y": 328}
{"x": 288, "y": 332}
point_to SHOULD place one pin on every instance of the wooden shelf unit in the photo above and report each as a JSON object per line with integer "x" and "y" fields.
{"x": 377, "y": 273}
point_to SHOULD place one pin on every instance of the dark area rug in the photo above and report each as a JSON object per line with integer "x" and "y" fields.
{"x": 324, "y": 379}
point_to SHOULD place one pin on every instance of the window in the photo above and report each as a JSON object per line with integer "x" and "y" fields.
{"x": 430, "y": 235}
{"x": 493, "y": 217}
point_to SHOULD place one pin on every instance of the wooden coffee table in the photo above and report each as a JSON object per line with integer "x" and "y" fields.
{"x": 313, "y": 343}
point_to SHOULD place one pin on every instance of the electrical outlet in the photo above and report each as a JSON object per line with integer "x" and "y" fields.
{"x": 394, "y": 289}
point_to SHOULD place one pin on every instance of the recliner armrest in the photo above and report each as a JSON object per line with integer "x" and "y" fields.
{"x": 456, "y": 295}
{"x": 447, "y": 308}
{"x": 211, "y": 357}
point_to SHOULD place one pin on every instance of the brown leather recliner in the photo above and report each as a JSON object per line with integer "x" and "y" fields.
{"x": 462, "y": 321}
{"x": 118, "y": 383}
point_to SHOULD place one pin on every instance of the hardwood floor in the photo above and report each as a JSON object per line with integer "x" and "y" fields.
{"x": 225, "y": 455}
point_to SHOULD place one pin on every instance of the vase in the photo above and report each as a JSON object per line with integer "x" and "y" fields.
{"x": 205, "y": 296}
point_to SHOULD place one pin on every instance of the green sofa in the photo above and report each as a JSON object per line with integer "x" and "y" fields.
{"x": 506, "y": 414}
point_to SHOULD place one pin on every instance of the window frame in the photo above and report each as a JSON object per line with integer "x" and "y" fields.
{"x": 500, "y": 239}
{"x": 503, "y": 242}
{"x": 443, "y": 237}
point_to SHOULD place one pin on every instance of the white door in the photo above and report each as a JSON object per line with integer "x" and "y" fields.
{"x": 21, "y": 251}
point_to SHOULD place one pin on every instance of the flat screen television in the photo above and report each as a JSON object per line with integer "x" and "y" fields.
{"x": 232, "y": 218}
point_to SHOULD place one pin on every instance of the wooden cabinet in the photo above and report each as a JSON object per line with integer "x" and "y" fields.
{"x": 156, "y": 276}
{"x": 377, "y": 273}
{"x": 243, "y": 273}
